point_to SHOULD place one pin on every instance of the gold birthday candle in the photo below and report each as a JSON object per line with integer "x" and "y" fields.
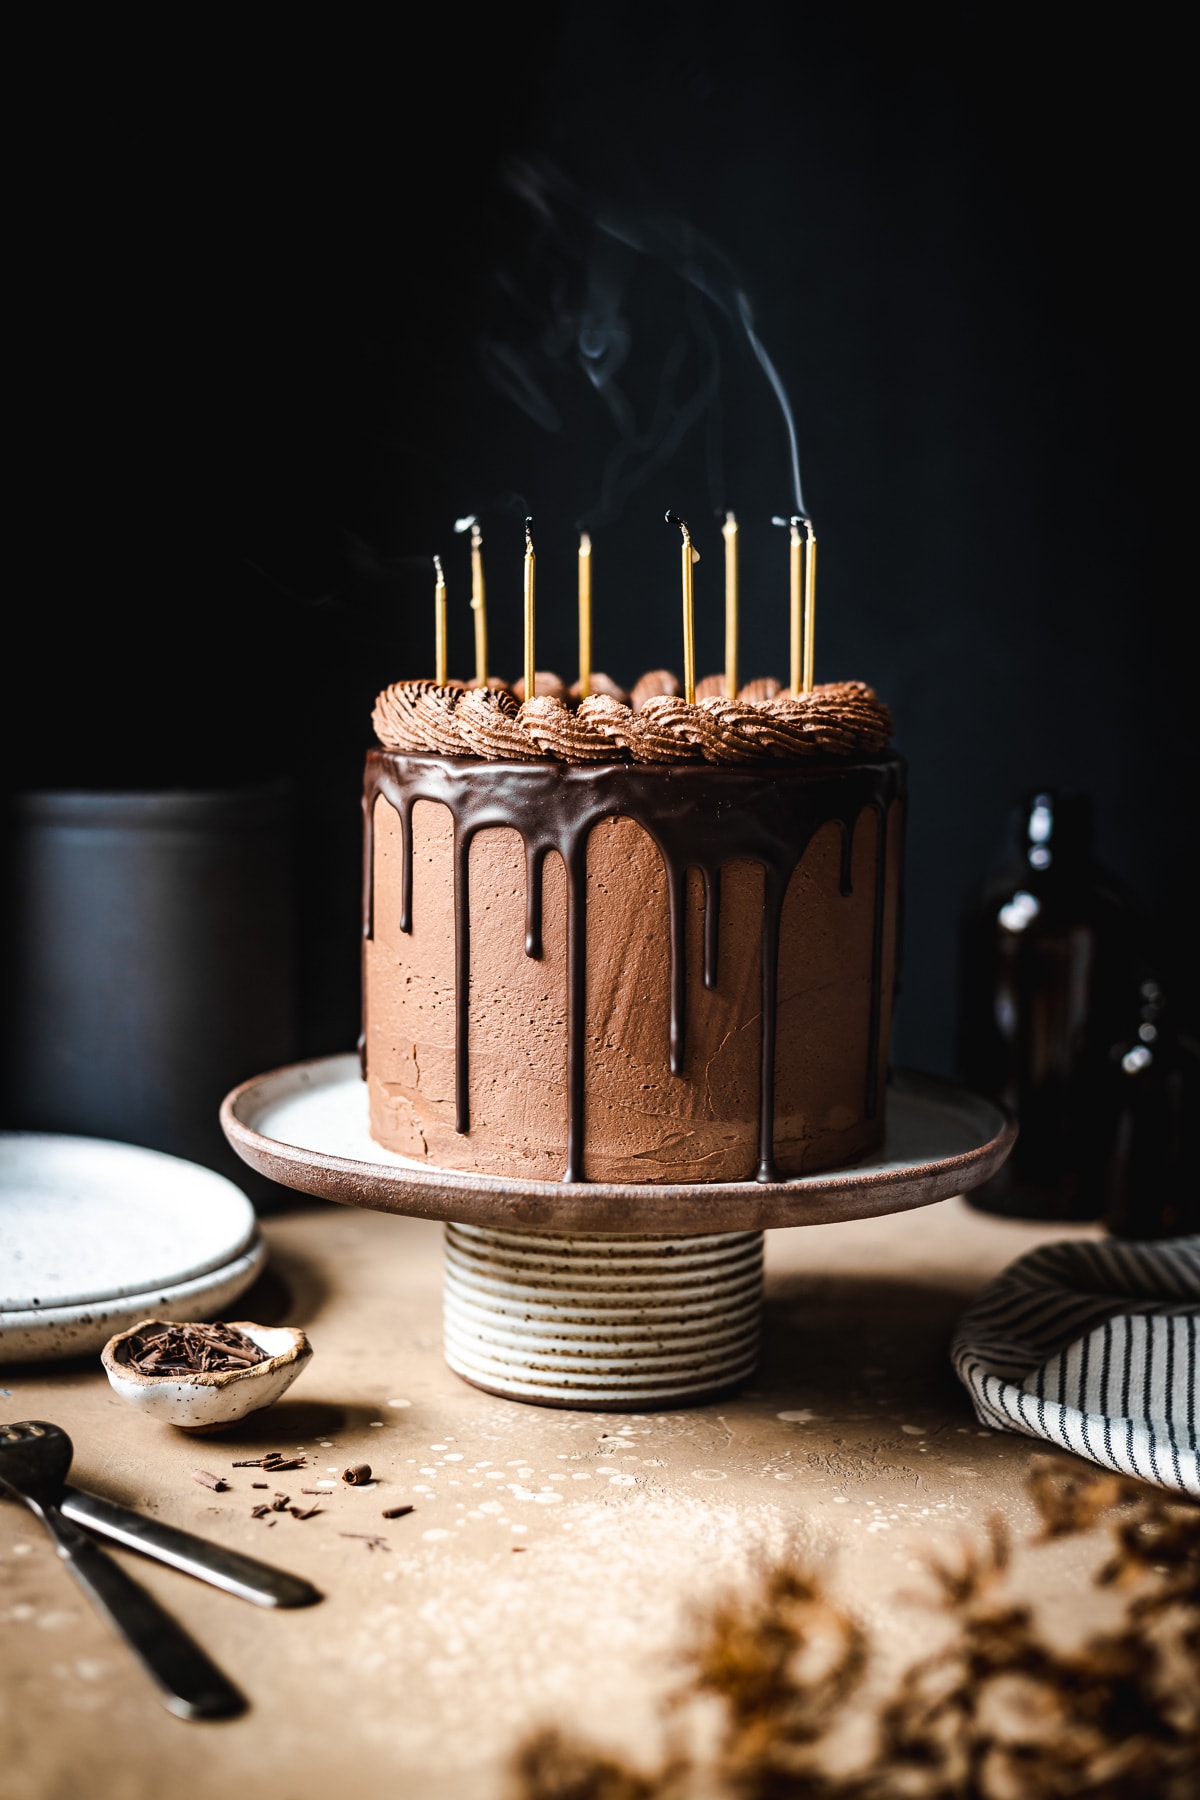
{"x": 796, "y": 595}
{"x": 530, "y": 576}
{"x": 810, "y": 605}
{"x": 478, "y": 606}
{"x": 439, "y": 624}
{"x": 585, "y": 615}
{"x": 688, "y": 557}
{"x": 729, "y": 531}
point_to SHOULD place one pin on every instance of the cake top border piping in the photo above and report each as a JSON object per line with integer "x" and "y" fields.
{"x": 830, "y": 722}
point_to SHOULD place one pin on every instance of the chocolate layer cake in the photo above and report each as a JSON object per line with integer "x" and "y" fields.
{"x": 637, "y": 944}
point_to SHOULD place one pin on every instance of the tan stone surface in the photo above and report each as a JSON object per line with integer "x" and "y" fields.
{"x": 547, "y": 1572}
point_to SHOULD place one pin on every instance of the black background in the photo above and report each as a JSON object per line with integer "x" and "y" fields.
{"x": 253, "y": 271}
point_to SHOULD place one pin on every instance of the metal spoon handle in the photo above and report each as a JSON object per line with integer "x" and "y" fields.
{"x": 191, "y": 1684}
{"x": 242, "y": 1575}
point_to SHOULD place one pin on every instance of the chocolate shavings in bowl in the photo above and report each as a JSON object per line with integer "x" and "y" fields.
{"x": 205, "y": 1349}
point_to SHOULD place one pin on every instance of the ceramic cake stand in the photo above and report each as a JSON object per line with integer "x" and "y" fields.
{"x": 602, "y": 1295}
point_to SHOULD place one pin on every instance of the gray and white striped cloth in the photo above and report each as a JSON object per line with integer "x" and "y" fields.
{"x": 1094, "y": 1346}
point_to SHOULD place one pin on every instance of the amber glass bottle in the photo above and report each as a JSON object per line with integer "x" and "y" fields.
{"x": 1151, "y": 1093}
{"x": 1051, "y": 949}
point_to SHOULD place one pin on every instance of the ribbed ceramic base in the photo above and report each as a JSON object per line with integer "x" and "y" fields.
{"x": 602, "y": 1323}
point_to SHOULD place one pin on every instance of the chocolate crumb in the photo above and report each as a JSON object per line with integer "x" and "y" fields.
{"x": 304, "y": 1513}
{"x": 397, "y": 1512}
{"x": 369, "y": 1539}
{"x": 357, "y": 1474}
{"x": 259, "y": 1512}
{"x": 217, "y": 1482}
{"x": 260, "y": 1484}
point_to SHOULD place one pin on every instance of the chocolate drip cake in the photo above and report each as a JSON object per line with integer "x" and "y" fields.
{"x": 647, "y": 942}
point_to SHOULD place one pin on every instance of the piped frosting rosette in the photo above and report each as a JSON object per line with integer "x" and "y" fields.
{"x": 839, "y": 718}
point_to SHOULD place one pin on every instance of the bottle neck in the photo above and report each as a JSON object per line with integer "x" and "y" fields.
{"x": 1054, "y": 834}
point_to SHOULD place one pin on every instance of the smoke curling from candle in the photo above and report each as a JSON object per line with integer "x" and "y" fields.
{"x": 772, "y": 375}
{"x": 593, "y": 273}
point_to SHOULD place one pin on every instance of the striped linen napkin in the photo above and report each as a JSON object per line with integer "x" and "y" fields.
{"x": 1094, "y": 1346}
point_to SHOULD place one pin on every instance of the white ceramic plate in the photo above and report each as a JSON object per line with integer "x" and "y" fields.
{"x": 50, "y": 1333}
{"x": 96, "y": 1234}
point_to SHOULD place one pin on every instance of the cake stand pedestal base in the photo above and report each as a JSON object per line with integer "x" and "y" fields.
{"x": 604, "y": 1323}
{"x": 605, "y": 1296}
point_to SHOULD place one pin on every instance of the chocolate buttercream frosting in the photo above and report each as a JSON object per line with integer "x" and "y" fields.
{"x": 763, "y": 724}
{"x": 703, "y": 783}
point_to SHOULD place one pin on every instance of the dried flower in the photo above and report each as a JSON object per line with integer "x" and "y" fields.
{"x": 998, "y": 1713}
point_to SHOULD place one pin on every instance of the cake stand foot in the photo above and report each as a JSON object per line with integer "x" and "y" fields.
{"x": 600, "y": 1323}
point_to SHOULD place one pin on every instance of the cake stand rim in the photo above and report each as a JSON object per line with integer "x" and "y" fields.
{"x": 625, "y": 1208}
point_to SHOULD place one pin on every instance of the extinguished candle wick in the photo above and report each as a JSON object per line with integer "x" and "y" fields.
{"x": 688, "y": 556}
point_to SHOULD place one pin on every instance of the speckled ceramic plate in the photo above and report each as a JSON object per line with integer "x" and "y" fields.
{"x": 96, "y": 1234}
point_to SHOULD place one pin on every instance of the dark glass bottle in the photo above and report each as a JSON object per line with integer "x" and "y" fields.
{"x": 1050, "y": 954}
{"x": 1151, "y": 1094}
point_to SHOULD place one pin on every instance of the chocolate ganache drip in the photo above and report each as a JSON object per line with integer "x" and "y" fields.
{"x": 701, "y": 814}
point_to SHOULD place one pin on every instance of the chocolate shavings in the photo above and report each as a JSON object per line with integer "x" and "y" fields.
{"x": 207, "y": 1349}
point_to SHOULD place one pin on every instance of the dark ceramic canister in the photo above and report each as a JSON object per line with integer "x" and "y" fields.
{"x": 149, "y": 963}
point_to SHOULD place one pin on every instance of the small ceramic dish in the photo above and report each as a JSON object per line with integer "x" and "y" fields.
{"x": 207, "y": 1401}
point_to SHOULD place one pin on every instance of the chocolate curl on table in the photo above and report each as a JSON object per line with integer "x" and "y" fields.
{"x": 272, "y": 1463}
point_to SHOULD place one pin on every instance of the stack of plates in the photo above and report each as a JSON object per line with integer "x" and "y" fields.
{"x": 95, "y": 1235}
